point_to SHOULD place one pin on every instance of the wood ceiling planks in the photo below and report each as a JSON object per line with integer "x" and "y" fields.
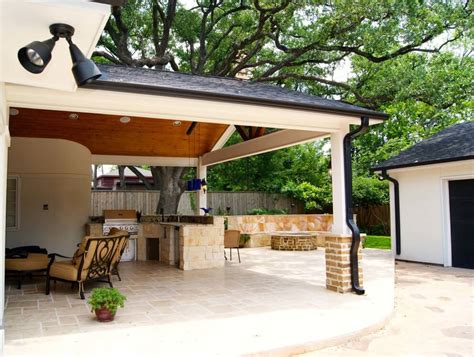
{"x": 106, "y": 135}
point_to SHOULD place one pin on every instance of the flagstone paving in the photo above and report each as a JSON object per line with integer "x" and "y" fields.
{"x": 273, "y": 301}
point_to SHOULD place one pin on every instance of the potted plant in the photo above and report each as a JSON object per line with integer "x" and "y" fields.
{"x": 105, "y": 302}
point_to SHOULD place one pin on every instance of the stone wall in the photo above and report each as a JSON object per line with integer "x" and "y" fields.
{"x": 202, "y": 246}
{"x": 260, "y": 224}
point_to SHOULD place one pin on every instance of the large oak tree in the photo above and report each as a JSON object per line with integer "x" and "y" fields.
{"x": 298, "y": 44}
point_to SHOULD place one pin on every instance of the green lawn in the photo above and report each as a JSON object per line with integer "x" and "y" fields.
{"x": 377, "y": 242}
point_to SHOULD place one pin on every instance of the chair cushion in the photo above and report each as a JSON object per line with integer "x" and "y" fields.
{"x": 63, "y": 270}
{"x": 34, "y": 261}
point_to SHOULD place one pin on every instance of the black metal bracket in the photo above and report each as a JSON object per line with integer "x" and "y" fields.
{"x": 364, "y": 126}
{"x": 396, "y": 191}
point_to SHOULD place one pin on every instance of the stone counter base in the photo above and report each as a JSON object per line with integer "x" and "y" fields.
{"x": 293, "y": 242}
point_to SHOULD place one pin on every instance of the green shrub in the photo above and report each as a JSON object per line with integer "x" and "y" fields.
{"x": 262, "y": 211}
{"x": 313, "y": 197}
{"x": 109, "y": 298}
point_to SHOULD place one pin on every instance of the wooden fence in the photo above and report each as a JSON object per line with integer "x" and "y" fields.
{"x": 374, "y": 217}
{"x": 239, "y": 202}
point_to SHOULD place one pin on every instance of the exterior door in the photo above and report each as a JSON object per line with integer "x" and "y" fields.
{"x": 461, "y": 206}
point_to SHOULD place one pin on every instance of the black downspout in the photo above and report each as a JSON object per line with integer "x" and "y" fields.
{"x": 364, "y": 126}
{"x": 396, "y": 189}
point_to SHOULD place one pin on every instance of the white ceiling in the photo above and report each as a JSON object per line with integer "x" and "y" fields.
{"x": 25, "y": 21}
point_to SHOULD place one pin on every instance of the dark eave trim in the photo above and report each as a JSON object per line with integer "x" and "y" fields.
{"x": 112, "y": 2}
{"x": 173, "y": 92}
{"x": 424, "y": 163}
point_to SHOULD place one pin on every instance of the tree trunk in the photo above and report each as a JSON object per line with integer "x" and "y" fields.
{"x": 172, "y": 187}
{"x": 95, "y": 177}
{"x": 121, "y": 170}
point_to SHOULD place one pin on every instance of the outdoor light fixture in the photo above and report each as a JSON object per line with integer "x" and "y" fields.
{"x": 35, "y": 56}
{"x": 204, "y": 185}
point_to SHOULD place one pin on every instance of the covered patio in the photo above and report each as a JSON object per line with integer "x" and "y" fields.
{"x": 51, "y": 132}
{"x": 274, "y": 301}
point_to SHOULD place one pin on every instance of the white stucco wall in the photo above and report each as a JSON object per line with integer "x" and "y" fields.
{"x": 56, "y": 173}
{"x": 424, "y": 210}
{"x": 4, "y": 142}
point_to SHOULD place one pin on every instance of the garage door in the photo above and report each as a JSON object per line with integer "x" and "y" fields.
{"x": 461, "y": 205}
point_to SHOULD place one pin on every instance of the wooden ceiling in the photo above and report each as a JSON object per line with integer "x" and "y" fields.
{"x": 106, "y": 135}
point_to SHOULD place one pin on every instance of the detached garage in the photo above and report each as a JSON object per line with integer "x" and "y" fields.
{"x": 432, "y": 198}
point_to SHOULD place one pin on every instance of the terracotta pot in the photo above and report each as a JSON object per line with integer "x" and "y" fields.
{"x": 104, "y": 315}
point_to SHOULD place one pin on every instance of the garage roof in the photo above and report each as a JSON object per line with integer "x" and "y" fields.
{"x": 150, "y": 81}
{"x": 452, "y": 144}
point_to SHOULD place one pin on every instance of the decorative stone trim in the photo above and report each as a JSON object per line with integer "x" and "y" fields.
{"x": 338, "y": 265}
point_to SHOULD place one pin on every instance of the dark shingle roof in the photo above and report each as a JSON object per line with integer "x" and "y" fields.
{"x": 452, "y": 144}
{"x": 131, "y": 79}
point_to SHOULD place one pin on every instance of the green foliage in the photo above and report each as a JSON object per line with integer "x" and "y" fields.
{"x": 244, "y": 238}
{"x": 109, "y": 298}
{"x": 314, "y": 198}
{"x": 377, "y": 242}
{"x": 369, "y": 190}
{"x": 263, "y": 211}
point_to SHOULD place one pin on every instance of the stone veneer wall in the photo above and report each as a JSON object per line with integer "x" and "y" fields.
{"x": 201, "y": 246}
{"x": 259, "y": 224}
{"x": 338, "y": 265}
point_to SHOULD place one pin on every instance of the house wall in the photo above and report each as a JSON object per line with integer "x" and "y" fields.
{"x": 4, "y": 142}
{"x": 424, "y": 210}
{"x": 55, "y": 173}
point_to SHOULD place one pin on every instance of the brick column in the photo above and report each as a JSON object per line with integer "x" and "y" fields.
{"x": 338, "y": 265}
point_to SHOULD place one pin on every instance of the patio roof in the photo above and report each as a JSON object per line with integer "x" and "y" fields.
{"x": 150, "y": 81}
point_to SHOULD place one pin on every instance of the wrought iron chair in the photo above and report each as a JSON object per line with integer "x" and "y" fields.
{"x": 232, "y": 240}
{"x": 119, "y": 253}
{"x": 94, "y": 260}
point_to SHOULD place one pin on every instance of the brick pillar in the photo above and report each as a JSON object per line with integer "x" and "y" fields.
{"x": 338, "y": 264}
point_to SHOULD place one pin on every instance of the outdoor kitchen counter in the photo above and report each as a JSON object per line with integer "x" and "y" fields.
{"x": 187, "y": 245}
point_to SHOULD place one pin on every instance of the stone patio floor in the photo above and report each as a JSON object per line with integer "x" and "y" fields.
{"x": 275, "y": 303}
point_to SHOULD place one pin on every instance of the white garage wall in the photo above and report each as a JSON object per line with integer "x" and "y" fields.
{"x": 424, "y": 209}
{"x": 56, "y": 173}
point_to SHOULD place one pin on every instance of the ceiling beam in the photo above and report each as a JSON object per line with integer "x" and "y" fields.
{"x": 224, "y": 138}
{"x": 144, "y": 160}
{"x": 270, "y": 142}
{"x": 242, "y": 133}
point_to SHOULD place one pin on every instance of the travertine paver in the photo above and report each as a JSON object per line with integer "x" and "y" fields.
{"x": 434, "y": 316}
{"x": 273, "y": 301}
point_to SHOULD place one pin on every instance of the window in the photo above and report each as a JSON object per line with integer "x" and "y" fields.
{"x": 13, "y": 190}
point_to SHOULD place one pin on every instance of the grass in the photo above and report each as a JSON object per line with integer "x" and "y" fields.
{"x": 377, "y": 242}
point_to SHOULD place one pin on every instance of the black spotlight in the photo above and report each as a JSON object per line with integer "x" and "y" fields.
{"x": 84, "y": 69}
{"x": 36, "y": 56}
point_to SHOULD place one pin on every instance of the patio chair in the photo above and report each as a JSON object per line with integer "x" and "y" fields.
{"x": 93, "y": 260}
{"x": 232, "y": 240}
{"x": 119, "y": 253}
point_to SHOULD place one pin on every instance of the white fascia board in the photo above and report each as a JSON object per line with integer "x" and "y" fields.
{"x": 144, "y": 160}
{"x": 224, "y": 137}
{"x": 430, "y": 166}
{"x": 270, "y": 142}
{"x": 176, "y": 108}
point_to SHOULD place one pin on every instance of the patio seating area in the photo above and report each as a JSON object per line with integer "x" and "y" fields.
{"x": 273, "y": 301}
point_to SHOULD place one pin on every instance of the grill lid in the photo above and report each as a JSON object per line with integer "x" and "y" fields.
{"x": 123, "y": 215}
